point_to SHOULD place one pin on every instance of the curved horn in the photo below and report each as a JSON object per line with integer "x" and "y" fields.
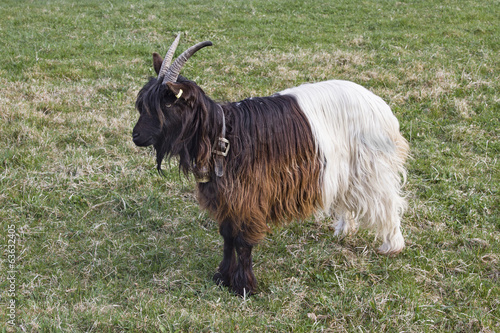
{"x": 175, "y": 69}
{"x": 168, "y": 57}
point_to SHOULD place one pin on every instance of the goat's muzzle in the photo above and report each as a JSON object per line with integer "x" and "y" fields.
{"x": 142, "y": 140}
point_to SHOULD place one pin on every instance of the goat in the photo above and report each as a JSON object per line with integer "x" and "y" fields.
{"x": 329, "y": 148}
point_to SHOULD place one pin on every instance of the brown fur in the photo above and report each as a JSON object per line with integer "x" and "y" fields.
{"x": 272, "y": 170}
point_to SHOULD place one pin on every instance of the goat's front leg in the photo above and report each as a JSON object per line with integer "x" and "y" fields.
{"x": 228, "y": 263}
{"x": 243, "y": 280}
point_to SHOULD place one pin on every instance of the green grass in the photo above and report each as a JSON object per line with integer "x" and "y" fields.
{"x": 106, "y": 245}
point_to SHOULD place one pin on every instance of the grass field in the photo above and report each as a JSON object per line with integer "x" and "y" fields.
{"x": 104, "y": 244}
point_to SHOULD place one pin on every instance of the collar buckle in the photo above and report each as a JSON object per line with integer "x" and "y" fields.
{"x": 223, "y": 145}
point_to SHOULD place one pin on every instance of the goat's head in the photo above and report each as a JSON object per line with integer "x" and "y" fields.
{"x": 166, "y": 104}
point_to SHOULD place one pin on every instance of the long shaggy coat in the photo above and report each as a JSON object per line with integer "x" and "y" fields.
{"x": 328, "y": 148}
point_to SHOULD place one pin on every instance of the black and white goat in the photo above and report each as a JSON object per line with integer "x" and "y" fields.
{"x": 330, "y": 148}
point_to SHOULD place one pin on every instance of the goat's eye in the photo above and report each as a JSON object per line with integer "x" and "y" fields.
{"x": 169, "y": 105}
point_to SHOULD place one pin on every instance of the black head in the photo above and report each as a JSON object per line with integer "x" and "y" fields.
{"x": 160, "y": 100}
{"x": 157, "y": 113}
{"x": 162, "y": 109}
{"x": 173, "y": 113}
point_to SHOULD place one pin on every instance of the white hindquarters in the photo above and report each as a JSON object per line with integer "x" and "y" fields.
{"x": 363, "y": 156}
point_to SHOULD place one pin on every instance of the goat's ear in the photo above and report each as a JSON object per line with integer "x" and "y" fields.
{"x": 157, "y": 61}
{"x": 181, "y": 91}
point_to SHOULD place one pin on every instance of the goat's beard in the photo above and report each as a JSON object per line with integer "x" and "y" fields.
{"x": 164, "y": 147}
{"x": 161, "y": 150}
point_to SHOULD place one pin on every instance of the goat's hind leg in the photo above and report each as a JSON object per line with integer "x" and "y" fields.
{"x": 388, "y": 224}
{"x": 378, "y": 196}
{"x": 392, "y": 238}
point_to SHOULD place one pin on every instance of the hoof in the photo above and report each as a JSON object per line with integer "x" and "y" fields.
{"x": 220, "y": 280}
{"x": 393, "y": 244}
{"x": 389, "y": 253}
{"x": 243, "y": 292}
